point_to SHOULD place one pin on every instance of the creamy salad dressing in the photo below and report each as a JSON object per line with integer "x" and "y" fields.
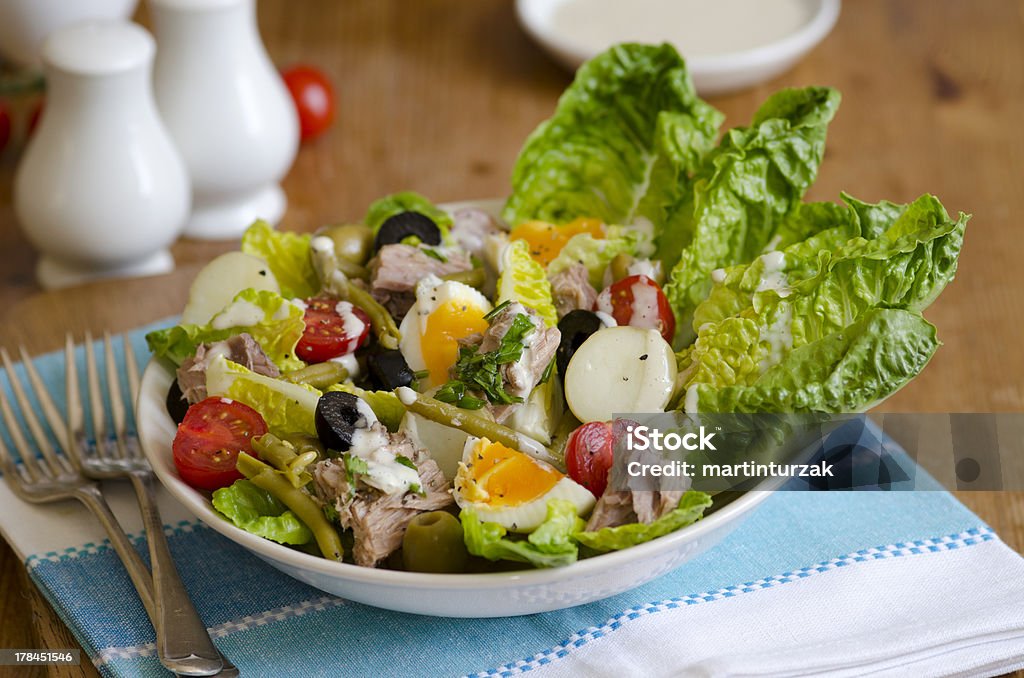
{"x": 349, "y": 362}
{"x": 779, "y": 337}
{"x": 773, "y": 276}
{"x": 697, "y": 27}
{"x": 373, "y": 446}
{"x": 239, "y": 313}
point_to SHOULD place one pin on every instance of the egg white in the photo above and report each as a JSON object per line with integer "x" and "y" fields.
{"x": 527, "y": 516}
{"x": 431, "y": 293}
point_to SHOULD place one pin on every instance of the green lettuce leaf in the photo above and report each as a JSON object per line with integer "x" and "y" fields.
{"x": 906, "y": 267}
{"x": 286, "y": 407}
{"x": 745, "y": 189}
{"x": 691, "y": 507}
{"x": 850, "y": 370}
{"x": 522, "y": 279}
{"x": 255, "y": 510}
{"x": 620, "y": 146}
{"x": 406, "y": 201}
{"x": 287, "y": 254}
{"x": 594, "y": 253}
{"x": 278, "y": 329}
{"x": 385, "y": 404}
{"x": 550, "y": 545}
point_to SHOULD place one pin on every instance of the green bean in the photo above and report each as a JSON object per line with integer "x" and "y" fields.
{"x": 274, "y": 451}
{"x": 318, "y": 375}
{"x": 352, "y": 270}
{"x": 303, "y": 443}
{"x": 473, "y": 424}
{"x": 475, "y": 277}
{"x": 266, "y": 478}
{"x": 380, "y": 320}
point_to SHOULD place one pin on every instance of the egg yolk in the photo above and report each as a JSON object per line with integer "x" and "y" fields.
{"x": 448, "y": 323}
{"x": 547, "y": 240}
{"x": 509, "y": 477}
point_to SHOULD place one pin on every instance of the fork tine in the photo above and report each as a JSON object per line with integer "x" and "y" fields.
{"x": 133, "y": 370}
{"x": 75, "y": 425}
{"x": 16, "y": 476}
{"x": 50, "y": 411}
{"x": 99, "y": 422}
{"x": 29, "y": 415}
{"x": 28, "y": 458}
{"x": 114, "y": 392}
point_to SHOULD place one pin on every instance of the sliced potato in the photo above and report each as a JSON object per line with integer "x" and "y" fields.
{"x": 619, "y": 370}
{"x": 220, "y": 280}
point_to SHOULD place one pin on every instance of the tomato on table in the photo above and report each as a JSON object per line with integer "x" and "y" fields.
{"x": 314, "y": 99}
{"x": 5, "y": 126}
{"x": 639, "y": 302}
{"x": 333, "y": 328}
{"x": 588, "y": 455}
{"x": 210, "y": 438}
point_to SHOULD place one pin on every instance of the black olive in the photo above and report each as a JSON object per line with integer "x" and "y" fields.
{"x": 388, "y": 369}
{"x": 337, "y": 417}
{"x": 177, "y": 406}
{"x": 400, "y": 226}
{"x": 576, "y": 327}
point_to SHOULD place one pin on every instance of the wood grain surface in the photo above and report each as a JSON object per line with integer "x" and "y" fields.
{"x": 438, "y": 96}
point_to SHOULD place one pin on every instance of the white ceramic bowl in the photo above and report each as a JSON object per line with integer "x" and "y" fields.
{"x": 712, "y": 74}
{"x": 459, "y": 595}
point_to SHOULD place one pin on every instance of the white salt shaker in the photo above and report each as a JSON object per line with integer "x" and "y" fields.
{"x": 228, "y": 110}
{"x": 100, "y": 191}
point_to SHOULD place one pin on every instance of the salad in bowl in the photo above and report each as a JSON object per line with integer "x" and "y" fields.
{"x": 432, "y": 390}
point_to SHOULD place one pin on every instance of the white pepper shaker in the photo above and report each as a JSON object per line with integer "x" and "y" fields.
{"x": 228, "y": 110}
{"x": 100, "y": 191}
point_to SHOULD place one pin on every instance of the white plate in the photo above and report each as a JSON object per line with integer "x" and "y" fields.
{"x": 712, "y": 74}
{"x": 445, "y": 595}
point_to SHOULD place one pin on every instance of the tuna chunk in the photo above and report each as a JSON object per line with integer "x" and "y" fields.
{"x": 397, "y": 268}
{"x": 241, "y": 349}
{"x": 378, "y": 521}
{"x": 571, "y": 290}
{"x": 472, "y": 227}
{"x": 519, "y": 378}
{"x": 621, "y": 507}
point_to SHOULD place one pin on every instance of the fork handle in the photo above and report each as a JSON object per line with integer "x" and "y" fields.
{"x": 182, "y": 640}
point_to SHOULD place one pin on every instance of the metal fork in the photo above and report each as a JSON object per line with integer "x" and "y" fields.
{"x": 57, "y": 476}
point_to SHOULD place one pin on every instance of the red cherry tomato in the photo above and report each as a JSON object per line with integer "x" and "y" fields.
{"x": 5, "y": 126}
{"x": 314, "y": 99}
{"x": 639, "y": 302}
{"x": 588, "y": 455}
{"x": 333, "y": 328}
{"x": 209, "y": 439}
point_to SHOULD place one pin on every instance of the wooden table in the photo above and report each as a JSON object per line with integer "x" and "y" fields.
{"x": 438, "y": 95}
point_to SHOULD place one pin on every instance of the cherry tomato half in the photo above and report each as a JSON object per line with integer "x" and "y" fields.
{"x": 5, "y": 126}
{"x": 333, "y": 328}
{"x": 314, "y": 99}
{"x": 588, "y": 455}
{"x": 209, "y": 439}
{"x": 638, "y": 301}
{"x": 35, "y": 116}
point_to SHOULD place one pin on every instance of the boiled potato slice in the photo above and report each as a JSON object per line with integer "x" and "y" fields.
{"x": 444, "y": 442}
{"x": 220, "y": 280}
{"x": 618, "y": 370}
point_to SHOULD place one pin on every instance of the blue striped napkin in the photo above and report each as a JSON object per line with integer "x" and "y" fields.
{"x": 837, "y": 582}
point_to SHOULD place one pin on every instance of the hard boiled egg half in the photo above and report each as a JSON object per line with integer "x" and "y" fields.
{"x": 445, "y": 311}
{"x": 510, "y": 488}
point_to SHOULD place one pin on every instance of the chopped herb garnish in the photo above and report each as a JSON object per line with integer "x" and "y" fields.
{"x": 498, "y": 309}
{"x": 406, "y": 461}
{"x": 421, "y": 374}
{"x": 415, "y": 488}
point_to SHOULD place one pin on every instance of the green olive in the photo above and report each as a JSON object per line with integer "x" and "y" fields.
{"x": 620, "y": 266}
{"x": 352, "y": 242}
{"x": 433, "y": 543}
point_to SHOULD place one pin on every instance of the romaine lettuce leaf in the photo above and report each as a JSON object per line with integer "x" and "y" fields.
{"x": 621, "y": 145}
{"x": 279, "y": 326}
{"x": 286, "y": 407}
{"x": 550, "y": 545}
{"x": 255, "y": 510}
{"x": 287, "y": 254}
{"x": 522, "y": 279}
{"x": 850, "y": 370}
{"x": 406, "y": 201}
{"x": 745, "y": 189}
{"x": 691, "y": 507}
